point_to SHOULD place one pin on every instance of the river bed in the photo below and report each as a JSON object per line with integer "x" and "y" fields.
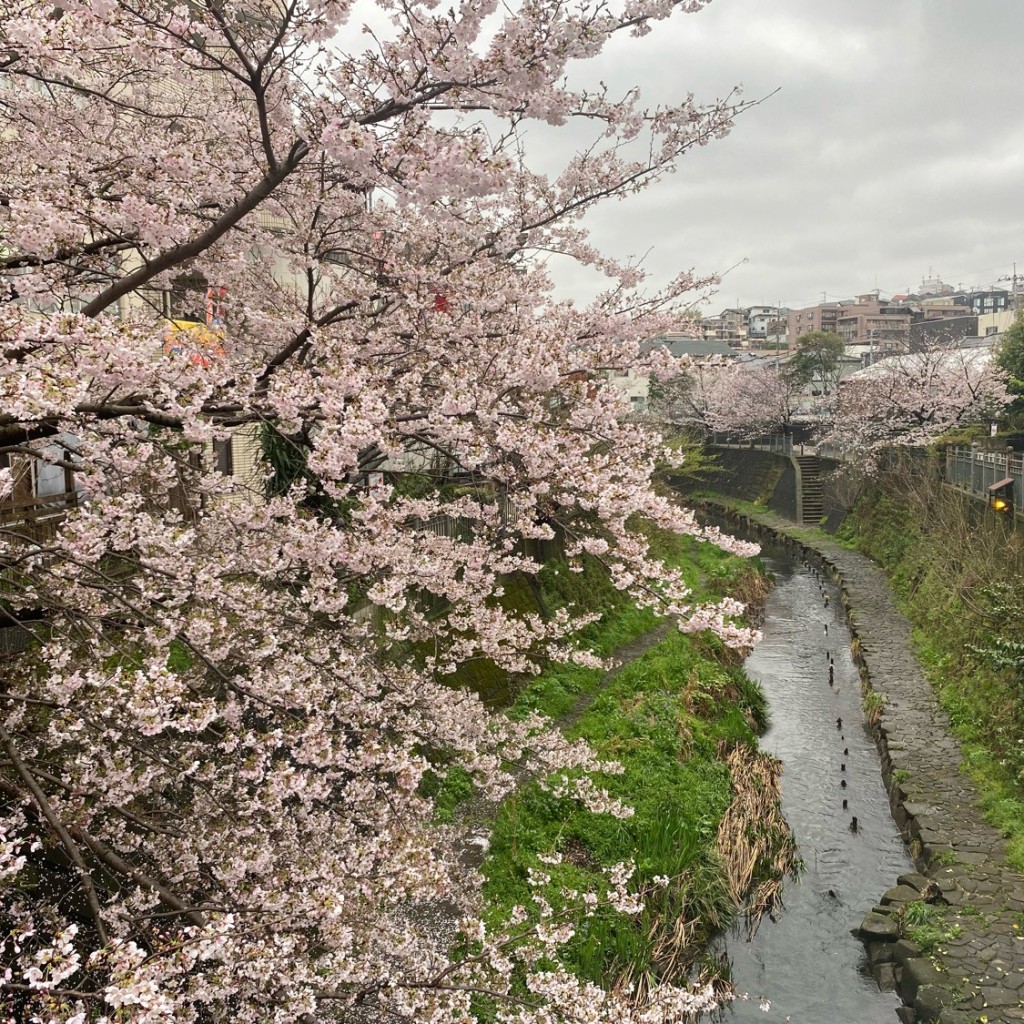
{"x": 806, "y": 964}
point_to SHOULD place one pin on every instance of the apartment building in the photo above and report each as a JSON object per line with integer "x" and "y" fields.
{"x": 822, "y": 317}
{"x": 746, "y": 327}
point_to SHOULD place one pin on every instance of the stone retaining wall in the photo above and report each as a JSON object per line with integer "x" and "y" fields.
{"x": 977, "y": 974}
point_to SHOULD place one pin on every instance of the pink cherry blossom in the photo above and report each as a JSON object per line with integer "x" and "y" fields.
{"x": 230, "y": 223}
{"x": 911, "y": 399}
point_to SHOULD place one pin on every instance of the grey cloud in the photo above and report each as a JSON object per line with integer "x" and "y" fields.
{"x": 893, "y": 145}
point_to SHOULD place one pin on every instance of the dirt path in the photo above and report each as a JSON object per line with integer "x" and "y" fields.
{"x": 622, "y": 656}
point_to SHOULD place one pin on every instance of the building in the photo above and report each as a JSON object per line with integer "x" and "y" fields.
{"x": 994, "y": 300}
{"x": 823, "y": 317}
{"x": 763, "y": 322}
{"x": 993, "y": 324}
{"x": 872, "y": 327}
{"x": 881, "y": 327}
{"x": 637, "y": 386}
{"x": 747, "y": 327}
{"x": 731, "y": 327}
{"x": 943, "y": 330}
{"x": 862, "y": 321}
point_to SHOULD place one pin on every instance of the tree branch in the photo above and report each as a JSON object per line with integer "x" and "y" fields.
{"x": 190, "y": 250}
{"x": 62, "y": 833}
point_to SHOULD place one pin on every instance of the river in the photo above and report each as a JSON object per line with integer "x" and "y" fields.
{"x": 806, "y": 963}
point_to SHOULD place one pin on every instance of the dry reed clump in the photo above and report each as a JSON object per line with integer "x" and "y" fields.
{"x": 755, "y": 844}
{"x": 752, "y": 588}
{"x": 756, "y": 850}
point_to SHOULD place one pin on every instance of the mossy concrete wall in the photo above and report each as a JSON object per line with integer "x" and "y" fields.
{"x": 835, "y": 493}
{"x": 769, "y": 478}
{"x": 749, "y": 474}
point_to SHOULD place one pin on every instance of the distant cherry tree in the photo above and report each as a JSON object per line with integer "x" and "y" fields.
{"x": 689, "y": 399}
{"x": 248, "y": 227}
{"x": 914, "y": 398}
{"x": 748, "y": 401}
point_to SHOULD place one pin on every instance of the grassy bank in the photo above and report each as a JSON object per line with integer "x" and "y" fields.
{"x": 955, "y": 570}
{"x": 682, "y": 721}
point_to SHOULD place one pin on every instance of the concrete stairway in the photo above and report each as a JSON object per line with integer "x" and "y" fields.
{"x": 812, "y": 505}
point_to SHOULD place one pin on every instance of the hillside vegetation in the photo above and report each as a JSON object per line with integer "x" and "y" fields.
{"x": 956, "y": 569}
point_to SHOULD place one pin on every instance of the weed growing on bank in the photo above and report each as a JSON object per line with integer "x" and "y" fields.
{"x": 708, "y": 570}
{"x": 669, "y": 718}
{"x": 942, "y": 557}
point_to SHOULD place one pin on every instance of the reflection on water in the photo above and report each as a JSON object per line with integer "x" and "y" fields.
{"x": 806, "y": 963}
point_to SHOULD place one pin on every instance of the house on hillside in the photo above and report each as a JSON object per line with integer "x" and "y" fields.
{"x": 637, "y": 386}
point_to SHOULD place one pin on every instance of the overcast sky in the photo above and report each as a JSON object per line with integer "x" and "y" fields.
{"x": 893, "y": 148}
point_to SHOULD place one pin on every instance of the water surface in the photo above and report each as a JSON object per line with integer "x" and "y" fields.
{"x": 806, "y": 963}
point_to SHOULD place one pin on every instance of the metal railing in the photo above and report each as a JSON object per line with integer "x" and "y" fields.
{"x": 976, "y": 469}
{"x": 781, "y": 444}
{"x": 457, "y": 528}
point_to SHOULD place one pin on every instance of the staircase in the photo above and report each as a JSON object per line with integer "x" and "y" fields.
{"x": 812, "y": 505}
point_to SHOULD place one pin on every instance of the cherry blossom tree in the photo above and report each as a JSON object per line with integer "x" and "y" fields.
{"x": 690, "y": 399}
{"x": 912, "y": 399}
{"x": 748, "y": 401}
{"x": 248, "y": 219}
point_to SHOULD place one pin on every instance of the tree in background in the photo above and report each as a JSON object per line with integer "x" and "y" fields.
{"x": 689, "y": 399}
{"x": 912, "y": 399}
{"x": 816, "y": 360}
{"x": 1010, "y": 357}
{"x": 748, "y": 401}
{"x": 213, "y": 743}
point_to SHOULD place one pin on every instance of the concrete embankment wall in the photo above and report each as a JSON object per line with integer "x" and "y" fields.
{"x": 753, "y": 475}
{"x": 772, "y": 479}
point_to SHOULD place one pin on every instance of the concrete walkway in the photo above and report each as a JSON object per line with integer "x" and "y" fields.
{"x": 978, "y": 976}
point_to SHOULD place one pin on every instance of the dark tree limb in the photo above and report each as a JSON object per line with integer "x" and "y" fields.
{"x": 70, "y": 846}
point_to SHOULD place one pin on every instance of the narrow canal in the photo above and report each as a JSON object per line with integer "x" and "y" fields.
{"x": 806, "y": 964}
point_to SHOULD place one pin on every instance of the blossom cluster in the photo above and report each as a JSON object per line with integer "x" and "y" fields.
{"x": 223, "y": 224}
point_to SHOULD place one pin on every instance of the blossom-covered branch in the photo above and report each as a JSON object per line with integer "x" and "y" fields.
{"x": 252, "y": 228}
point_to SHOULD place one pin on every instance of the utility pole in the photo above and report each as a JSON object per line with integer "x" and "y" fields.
{"x": 1013, "y": 298}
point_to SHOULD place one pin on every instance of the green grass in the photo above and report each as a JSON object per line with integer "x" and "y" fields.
{"x": 929, "y": 926}
{"x": 449, "y": 786}
{"x": 747, "y": 508}
{"x": 662, "y": 718}
{"x": 938, "y": 589}
{"x": 708, "y": 570}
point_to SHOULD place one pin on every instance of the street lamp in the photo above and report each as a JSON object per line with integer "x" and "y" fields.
{"x": 1000, "y": 496}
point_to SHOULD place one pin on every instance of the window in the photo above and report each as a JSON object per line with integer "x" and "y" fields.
{"x": 223, "y": 457}
{"x": 185, "y": 300}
